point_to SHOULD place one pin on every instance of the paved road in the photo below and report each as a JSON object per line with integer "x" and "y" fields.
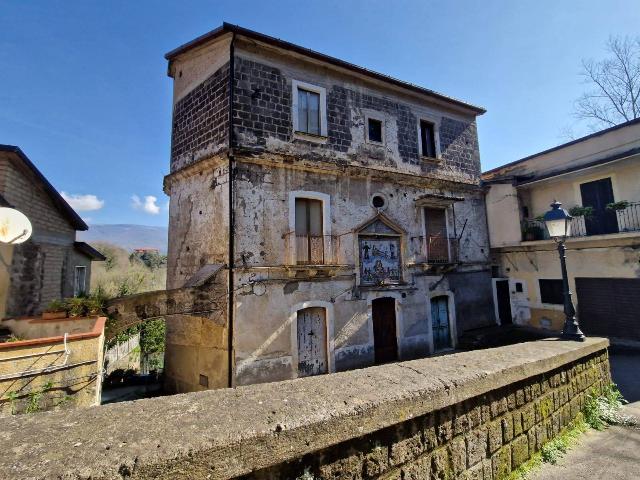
{"x": 613, "y": 454}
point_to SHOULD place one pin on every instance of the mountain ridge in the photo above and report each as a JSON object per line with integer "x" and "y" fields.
{"x": 127, "y": 235}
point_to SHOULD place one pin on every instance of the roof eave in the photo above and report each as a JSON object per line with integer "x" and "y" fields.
{"x": 230, "y": 28}
{"x": 57, "y": 199}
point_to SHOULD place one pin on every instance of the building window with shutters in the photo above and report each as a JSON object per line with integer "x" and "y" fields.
{"x": 309, "y": 236}
{"x": 439, "y": 246}
{"x": 309, "y": 109}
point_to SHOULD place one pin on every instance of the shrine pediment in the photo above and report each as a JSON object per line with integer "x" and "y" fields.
{"x": 379, "y": 225}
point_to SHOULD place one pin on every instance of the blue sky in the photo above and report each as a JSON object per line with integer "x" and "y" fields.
{"x": 84, "y": 91}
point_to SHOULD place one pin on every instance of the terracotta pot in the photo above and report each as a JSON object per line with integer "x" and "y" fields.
{"x": 53, "y": 315}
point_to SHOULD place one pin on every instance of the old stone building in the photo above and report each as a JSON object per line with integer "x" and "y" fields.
{"x": 51, "y": 264}
{"x": 338, "y": 209}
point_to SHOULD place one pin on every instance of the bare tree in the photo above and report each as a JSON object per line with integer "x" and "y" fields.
{"x": 615, "y": 94}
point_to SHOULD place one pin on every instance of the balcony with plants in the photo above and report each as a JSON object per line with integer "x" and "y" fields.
{"x": 616, "y": 217}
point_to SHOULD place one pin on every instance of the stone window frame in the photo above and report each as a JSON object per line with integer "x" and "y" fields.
{"x": 326, "y": 222}
{"x": 295, "y": 86}
{"x": 436, "y": 137}
{"x": 329, "y": 320}
{"x": 369, "y": 115}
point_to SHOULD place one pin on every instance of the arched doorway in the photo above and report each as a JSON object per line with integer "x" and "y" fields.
{"x": 440, "y": 323}
{"x": 385, "y": 341}
{"x": 312, "y": 341}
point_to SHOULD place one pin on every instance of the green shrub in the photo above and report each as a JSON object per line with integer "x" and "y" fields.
{"x": 580, "y": 211}
{"x": 602, "y": 410}
{"x": 621, "y": 205}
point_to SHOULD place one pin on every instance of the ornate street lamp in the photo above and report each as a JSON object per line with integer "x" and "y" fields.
{"x": 558, "y": 223}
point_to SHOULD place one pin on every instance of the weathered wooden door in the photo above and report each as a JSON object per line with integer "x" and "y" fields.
{"x": 312, "y": 342}
{"x": 440, "y": 323}
{"x": 385, "y": 342}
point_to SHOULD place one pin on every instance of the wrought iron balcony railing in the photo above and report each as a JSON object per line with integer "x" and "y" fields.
{"x": 311, "y": 249}
{"x": 600, "y": 222}
{"x": 442, "y": 250}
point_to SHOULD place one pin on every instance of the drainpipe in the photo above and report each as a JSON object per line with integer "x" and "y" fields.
{"x": 231, "y": 216}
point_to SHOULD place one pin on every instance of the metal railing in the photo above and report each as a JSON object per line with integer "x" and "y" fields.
{"x": 442, "y": 249}
{"x": 604, "y": 222}
{"x": 311, "y": 249}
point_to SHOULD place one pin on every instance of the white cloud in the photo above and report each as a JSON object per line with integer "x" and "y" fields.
{"x": 149, "y": 205}
{"x": 83, "y": 203}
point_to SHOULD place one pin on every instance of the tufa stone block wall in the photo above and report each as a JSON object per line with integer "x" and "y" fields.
{"x": 485, "y": 437}
{"x": 468, "y": 415}
{"x": 201, "y": 121}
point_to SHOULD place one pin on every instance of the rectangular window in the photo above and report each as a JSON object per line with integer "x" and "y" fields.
{"x": 309, "y": 238}
{"x": 375, "y": 130}
{"x": 551, "y": 291}
{"x": 79, "y": 281}
{"x": 428, "y": 139}
{"x": 308, "y": 112}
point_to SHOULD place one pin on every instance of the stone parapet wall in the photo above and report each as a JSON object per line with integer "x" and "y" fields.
{"x": 467, "y": 415}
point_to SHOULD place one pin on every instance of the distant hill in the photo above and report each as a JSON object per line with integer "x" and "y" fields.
{"x": 127, "y": 236}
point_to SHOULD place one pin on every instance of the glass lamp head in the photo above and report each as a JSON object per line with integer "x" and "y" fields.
{"x": 558, "y": 222}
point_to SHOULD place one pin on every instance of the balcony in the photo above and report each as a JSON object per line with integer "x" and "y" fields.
{"x": 442, "y": 250}
{"x": 311, "y": 249}
{"x": 602, "y": 222}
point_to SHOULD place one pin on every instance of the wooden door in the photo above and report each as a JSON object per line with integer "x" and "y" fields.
{"x": 440, "y": 323}
{"x": 597, "y": 195}
{"x": 504, "y": 302}
{"x": 385, "y": 340}
{"x": 312, "y": 342}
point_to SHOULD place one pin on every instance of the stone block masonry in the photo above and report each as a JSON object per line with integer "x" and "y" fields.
{"x": 200, "y": 121}
{"x": 468, "y": 415}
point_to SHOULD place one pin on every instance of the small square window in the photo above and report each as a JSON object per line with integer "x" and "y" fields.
{"x": 519, "y": 287}
{"x": 428, "y": 139}
{"x": 375, "y": 130}
{"x": 551, "y": 291}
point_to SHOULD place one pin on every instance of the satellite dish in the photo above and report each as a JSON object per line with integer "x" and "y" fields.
{"x": 15, "y": 227}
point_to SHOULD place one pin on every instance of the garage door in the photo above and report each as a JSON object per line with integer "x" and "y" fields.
{"x": 609, "y": 306}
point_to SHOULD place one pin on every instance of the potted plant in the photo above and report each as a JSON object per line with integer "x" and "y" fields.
{"x": 580, "y": 211}
{"x": 621, "y": 205}
{"x": 55, "y": 309}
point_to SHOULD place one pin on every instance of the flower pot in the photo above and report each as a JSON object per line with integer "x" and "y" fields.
{"x": 53, "y": 315}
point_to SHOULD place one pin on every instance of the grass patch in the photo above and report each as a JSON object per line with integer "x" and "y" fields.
{"x": 603, "y": 410}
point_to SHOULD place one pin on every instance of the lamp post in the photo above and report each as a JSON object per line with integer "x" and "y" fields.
{"x": 558, "y": 223}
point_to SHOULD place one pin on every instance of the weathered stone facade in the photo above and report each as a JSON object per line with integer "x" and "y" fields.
{"x": 246, "y": 219}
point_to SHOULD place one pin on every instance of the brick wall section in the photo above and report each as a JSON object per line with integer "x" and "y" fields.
{"x": 42, "y": 267}
{"x": 262, "y": 110}
{"x": 262, "y": 102}
{"x": 459, "y": 145}
{"x": 200, "y": 120}
{"x": 485, "y": 437}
